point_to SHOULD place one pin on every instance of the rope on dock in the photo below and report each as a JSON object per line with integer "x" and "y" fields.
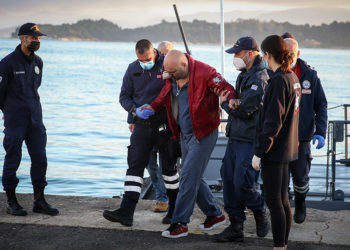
{"x": 335, "y": 107}
{"x": 313, "y": 156}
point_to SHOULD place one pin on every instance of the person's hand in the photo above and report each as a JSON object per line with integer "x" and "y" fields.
{"x": 218, "y": 92}
{"x": 234, "y": 103}
{"x": 144, "y": 112}
{"x": 147, "y": 106}
{"x": 223, "y": 96}
{"x": 320, "y": 141}
{"x": 131, "y": 127}
{"x": 256, "y": 163}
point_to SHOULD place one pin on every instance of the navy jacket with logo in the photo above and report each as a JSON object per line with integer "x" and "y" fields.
{"x": 250, "y": 87}
{"x": 20, "y": 78}
{"x": 142, "y": 87}
{"x": 313, "y": 105}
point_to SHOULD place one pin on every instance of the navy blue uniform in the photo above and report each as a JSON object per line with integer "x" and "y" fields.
{"x": 20, "y": 78}
{"x": 239, "y": 178}
{"x": 312, "y": 121}
{"x": 142, "y": 87}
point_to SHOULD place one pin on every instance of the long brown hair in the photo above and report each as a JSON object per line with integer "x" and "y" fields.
{"x": 277, "y": 47}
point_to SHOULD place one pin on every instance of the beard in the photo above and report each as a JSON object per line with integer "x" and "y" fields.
{"x": 181, "y": 75}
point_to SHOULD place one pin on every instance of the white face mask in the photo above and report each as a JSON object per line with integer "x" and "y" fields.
{"x": 239, "y": 63}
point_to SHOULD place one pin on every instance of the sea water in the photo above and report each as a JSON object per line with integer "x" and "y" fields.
{"x": 86, "y": 126}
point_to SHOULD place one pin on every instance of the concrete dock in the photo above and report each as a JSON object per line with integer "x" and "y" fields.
{"x": 80, "y": 225}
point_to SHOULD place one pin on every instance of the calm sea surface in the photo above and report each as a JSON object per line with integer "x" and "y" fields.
{"x": 86, "y": 126}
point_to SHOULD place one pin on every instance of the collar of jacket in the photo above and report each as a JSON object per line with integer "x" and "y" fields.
{"x": 277, "y": 72}
{"x": 257, "y": 66}
{"x": 304, "y": 68}
{"x": 191, "y": 63}
{"x": 29, "y": 58}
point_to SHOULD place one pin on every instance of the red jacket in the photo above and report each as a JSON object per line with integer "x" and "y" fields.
{"x": 204, "y": 104}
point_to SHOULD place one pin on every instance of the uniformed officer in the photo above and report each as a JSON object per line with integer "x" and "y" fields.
{"x": 239, "y": 178}
{"x": 155, "y": 172}
{"x": 20, "y": 78}
{"x": 312, "y": 125}
{"x": 142, "y": 83}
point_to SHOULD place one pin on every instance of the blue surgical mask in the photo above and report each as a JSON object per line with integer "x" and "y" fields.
{"x": 147, "y": 65}
{"x": 292, "y": 65}
{"x": 266, "y": 65}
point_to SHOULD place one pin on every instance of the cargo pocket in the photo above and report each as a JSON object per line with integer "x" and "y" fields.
{"x": 249, "y": 177}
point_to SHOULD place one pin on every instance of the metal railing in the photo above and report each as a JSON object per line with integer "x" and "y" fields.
{"x": 337, "y": 132}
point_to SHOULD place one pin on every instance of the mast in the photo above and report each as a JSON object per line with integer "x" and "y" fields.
{"x": 222, "y": 37}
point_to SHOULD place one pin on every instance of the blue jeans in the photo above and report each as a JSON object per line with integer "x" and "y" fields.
{"x": 239, "y": 180}
{"x": 155, "y": 173}
{"x": 195, "y": 157}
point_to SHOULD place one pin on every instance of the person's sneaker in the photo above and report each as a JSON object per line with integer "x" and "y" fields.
{"x": 166, "y": 219}
{"x": 176, "y": 230}
{"x": 161, "y": 207}
{"x": 212, "y": 222}
{"x": 119, "y": 216}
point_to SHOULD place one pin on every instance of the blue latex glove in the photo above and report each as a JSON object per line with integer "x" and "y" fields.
{"x": 320, "y": 141}
{"x": 144, "y": 114}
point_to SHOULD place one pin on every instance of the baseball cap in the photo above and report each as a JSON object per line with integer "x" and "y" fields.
{"x": 30, "y": 29}
{"x": 244, "y": 43}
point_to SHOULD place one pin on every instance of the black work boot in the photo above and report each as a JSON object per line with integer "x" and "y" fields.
{"x": 262, "y": 224}
{"x": 234, "y": 232}
{"x": 40, "y": 204}
{"x": 167, "y": 219}
{"x": 120, "y": 216}
{"x": 12, "y": 204}
{"x": 300, "y": 208}
{"x": 172, "y": 194}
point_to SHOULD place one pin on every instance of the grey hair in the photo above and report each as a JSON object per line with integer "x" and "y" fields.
{"x": 293, "y": 42}
{"x": 166, "y": 45}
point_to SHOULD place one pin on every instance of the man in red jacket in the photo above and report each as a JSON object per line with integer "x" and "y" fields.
{"x": 193, "y": 115}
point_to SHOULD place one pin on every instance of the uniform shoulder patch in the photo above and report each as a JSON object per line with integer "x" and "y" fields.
{"x": 254, "y": 87}
{"x": 296, "y": 85}
{"x": 216, "y": 80}
{"x": 306, "y": 84}
{"x": 37, "y": 70}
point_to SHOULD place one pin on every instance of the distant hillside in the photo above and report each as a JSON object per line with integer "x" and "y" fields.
{"x": 334, "y": 35}
{"x": 6, "y": 32}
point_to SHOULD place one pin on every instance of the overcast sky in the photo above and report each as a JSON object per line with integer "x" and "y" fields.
{"x": 133, "y": 13}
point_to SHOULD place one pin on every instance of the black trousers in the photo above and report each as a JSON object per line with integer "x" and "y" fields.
{"x": 275, "y": 178}
{"x": 143, "y": 138}
{"x": 300, "y": 170}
